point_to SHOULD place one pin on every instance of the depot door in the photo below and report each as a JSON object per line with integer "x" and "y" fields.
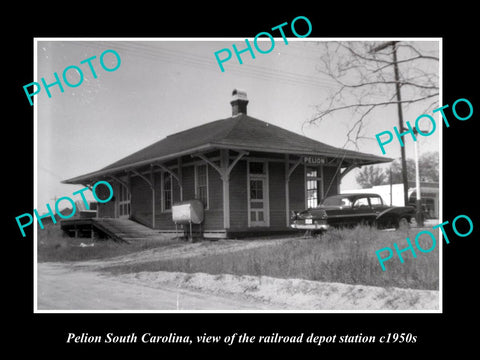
{"x": 258, "y": 206}
{"x": 123, "y": 203}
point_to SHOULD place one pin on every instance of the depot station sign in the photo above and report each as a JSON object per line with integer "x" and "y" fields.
{"x": 313, "y": 160}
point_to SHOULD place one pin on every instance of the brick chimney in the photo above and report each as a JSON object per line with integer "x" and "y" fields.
{"x": 239, "y": 102}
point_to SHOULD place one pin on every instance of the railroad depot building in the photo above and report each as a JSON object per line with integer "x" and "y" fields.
{"x": 248, "y": 174}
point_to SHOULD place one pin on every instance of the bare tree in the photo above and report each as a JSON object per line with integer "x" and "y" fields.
{"x": 366, "y": 80}
{"x": 372, "y": 75}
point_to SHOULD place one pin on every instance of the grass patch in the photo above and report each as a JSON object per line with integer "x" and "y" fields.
{"x": 54, "y": 246}
{"x": 340, "y": 255}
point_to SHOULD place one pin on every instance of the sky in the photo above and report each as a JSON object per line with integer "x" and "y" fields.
{"x": 168, "y": 85}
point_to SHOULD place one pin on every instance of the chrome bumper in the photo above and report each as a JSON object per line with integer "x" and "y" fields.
{"x": 309, "y": 226}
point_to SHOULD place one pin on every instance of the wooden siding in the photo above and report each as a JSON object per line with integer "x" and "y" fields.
{"x": 328, "y": 175}
{"x": 296, "y": 188}
{"x": 214, "y": 214}
{"x": 239, "y": 196}
{"x": 107, "y": 210}
{"x": 163, "y": 220}
{"x": 141, "y": 200}
{"x": 141, "y": 197}
{"x": 276, "y": 186}
{"x": 188, "y": 179}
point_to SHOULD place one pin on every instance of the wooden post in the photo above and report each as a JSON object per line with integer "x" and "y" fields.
{"x": 179, "y": 174}
{"x": 380, "y": 47}
{"x": 224, "y": 153}
{"x": 287, "y": 190}
{"x": 288, "y": 172}
{"x": 152, "y": 180}
{"x": 224, "y": 172}
{"x": 400, "y": 124}
{"x": 191, "y": 236}
{"x": 129, "y": 193}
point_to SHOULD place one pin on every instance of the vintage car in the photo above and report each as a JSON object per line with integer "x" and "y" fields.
{"x": 352, "y": 209}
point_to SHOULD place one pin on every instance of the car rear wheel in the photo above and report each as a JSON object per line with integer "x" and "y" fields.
{"x": 403, "y": 223}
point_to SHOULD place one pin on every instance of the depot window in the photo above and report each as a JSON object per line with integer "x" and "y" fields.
{"x": 201, "y": 184}
{"x": 313, "y": 186}
{"x": 167, "y": 191}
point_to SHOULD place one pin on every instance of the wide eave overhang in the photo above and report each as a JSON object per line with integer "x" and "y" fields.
{"x": 344, "y": 158}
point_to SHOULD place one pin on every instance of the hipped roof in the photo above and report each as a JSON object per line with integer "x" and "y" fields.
{"x": 241, "y": 132}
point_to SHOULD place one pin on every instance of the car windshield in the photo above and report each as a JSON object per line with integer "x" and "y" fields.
{"x": 337, "y": 201}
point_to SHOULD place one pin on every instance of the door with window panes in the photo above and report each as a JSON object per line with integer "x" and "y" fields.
{"x": 258, "y": 194}
{"x": 123, "y": 203}
{"x": 314, "y": 186}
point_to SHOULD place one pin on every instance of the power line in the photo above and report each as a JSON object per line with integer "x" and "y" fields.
{"x": 252, "y": 70}
{"x": 197, "y": 61}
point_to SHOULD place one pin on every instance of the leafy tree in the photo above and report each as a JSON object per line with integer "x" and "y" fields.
{"x": 427, "y": 163}
{"x": 371, "y": 176}
{"x": 396, "y": 171}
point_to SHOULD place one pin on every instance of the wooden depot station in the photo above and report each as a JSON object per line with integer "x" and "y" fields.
{"x": 248, "y": 174}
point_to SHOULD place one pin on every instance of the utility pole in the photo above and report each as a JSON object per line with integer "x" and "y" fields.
{"x": 393, "y": 44}
{"x": 419, "y": 212}
{"x": 55, "y": 197}
{"x": 391, "y": 187}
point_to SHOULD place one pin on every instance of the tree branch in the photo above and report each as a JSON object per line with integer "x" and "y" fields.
{"x": 410, "y": 46}
{"x": 363, "y": 85}
{"x": 408, "y": 83}
{"x": 330, "y": 110}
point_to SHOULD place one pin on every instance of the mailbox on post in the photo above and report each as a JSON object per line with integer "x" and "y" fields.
{"x": 188, "y": 212}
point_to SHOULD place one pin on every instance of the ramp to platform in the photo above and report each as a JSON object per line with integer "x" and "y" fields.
{"x": 117, "y": 229}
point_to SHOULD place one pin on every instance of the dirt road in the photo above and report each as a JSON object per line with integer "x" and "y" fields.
{"x": 70, "y": 287}
{"x": 63, "y": 287}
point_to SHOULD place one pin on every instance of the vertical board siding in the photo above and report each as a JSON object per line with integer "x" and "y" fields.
{"x": 141, "y": 200}
{"x": 188, "y": 179}
{"x": 176, "y": 189}
{"x": 141, "y": 196}
{"x": 239, "y": 196}
{"x": 296, "y": 188}
{"x": 214, "y": 214}
{"x": 163, "y": 220}
{"x": 107, "y": 210}
{"x": 329, "y": 174}
{"x": 276, "y": 186}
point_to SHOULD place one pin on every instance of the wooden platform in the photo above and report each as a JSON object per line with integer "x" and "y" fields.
{"x": 130, "y": 230}
{"x": 117, "y": 229}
